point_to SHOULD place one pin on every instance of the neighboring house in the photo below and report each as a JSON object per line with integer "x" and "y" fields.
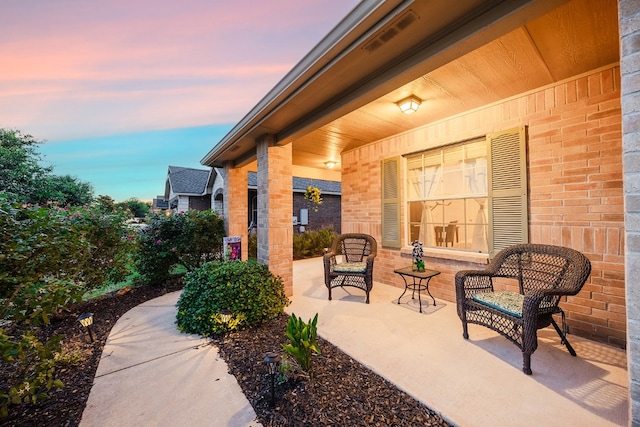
{"x": 527, "y": 110}
{"x": 306, "y": 216}
{"x": 159, "y": 205}
{"x": 188, "y": 188}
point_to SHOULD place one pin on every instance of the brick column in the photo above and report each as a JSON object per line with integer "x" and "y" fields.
{"x": 629, "y": 23}
{"x": 236, "y": 208}
{"x": 275, "y": 209}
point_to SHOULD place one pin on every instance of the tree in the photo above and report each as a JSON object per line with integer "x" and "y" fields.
{"x": 105, "y": 204}
{"x": 65, "y": 191}
{"x": 137, "y": 208}
{"x": 20, "y": 173}
{"x": 25, "y": 180}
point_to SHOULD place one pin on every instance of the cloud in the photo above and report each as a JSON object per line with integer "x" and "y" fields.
{"x": 121, "y": 89}
{"x": 73, "y": 68}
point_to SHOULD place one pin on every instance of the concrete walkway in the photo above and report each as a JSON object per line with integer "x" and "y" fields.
{"x": 152, "y": 375}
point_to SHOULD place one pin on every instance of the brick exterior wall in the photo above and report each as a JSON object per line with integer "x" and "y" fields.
{"x": 235, "y": 205}
{"x": 629, "y": 16}
{"x": 575, "y": 179}
{"x": 328, "y": 214}
{"x": 275, "y": 205}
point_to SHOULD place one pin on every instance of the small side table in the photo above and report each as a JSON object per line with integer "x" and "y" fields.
{"x": 416, "y": 285}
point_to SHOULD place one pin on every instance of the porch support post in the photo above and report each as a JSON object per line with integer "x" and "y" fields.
{"x": 275, "y": 209}
{"x": 236, "y": 205}
{"x": 629, "y": 25}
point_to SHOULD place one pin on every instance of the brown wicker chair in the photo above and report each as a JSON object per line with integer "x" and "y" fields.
{"x": 543, "y": 273}
{"x": 356, "y": 269}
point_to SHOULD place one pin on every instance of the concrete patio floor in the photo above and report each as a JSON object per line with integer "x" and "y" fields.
{"x": 476, "y": 382}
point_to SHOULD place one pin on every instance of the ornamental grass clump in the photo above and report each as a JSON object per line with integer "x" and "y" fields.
{"x": 303, "y": 338}
{"x": 247, "y": 289}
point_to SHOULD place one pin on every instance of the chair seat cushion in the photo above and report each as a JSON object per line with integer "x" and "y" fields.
{"x": 350, "y": 267}
{"x": 507, "y": 302}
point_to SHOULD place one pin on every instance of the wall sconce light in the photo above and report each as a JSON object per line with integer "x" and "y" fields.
{"x": 330, "y": 164}
{"x": 272, "y": 360}
{"x": 86, "y": 320}
{"x": 410, "y": 104}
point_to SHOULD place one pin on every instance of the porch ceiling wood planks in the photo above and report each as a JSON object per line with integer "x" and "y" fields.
{"x": 342, "y": 108}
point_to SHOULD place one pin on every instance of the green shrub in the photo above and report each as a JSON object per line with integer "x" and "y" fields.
{"x": 312, "y": 243}
{"x": 48, "y": 258}
{"x": 303, "y": 340}
{"x": 249, "y": 290}
{"x": 189, "y": 239}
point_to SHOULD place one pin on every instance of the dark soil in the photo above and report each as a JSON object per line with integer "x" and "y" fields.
{"x": 342, "y": 392}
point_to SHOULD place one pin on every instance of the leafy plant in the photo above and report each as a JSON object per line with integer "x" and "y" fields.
{"x": 35, "y": 362}
{"x": 189, "y": 239}
{"x": 48, "y": 258}
{"x": 417, "y": 253}
{"x": 313, "y": 195}
{"x": 303, "y": 341}
{"x": 312, "y": 243}
{"x": 247, "y": 289}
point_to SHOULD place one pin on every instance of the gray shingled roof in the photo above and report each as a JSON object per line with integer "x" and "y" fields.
{"x": 188, "y": 180}
{"x": 300, "y": 184}
{"x": 160, "y": 203}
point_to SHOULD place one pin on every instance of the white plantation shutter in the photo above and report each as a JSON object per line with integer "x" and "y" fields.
{"x": 508, "y": 210}
{"x": 391, "y": 202}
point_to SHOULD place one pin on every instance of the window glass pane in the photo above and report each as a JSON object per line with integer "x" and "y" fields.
{"x": 415, "y": 188}
{"x": 447, "y": 189}
{"x": 477, "y": 230}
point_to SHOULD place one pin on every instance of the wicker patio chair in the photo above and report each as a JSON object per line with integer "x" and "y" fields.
{"x": 356, "y": 268}
{"x": 543, "y": 274}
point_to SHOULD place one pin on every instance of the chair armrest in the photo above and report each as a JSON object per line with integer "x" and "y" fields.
{"x": 470, "y": 282}
{"x": 370, "y": 260}
{"x": 474, "y": 279}
{"x": 329, "y": 260}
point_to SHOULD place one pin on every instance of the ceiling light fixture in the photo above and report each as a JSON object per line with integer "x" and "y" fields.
{"x": 330, "y": 164}
{"x": 410, "y": 104}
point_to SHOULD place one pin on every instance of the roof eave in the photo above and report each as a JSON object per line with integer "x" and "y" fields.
{"x": 347, "y": 32}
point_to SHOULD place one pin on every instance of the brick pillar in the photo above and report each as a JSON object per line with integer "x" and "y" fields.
{"x": 275, "y": 209}
{"x": 629, "y": 24}
{"x": 236, "y": 208}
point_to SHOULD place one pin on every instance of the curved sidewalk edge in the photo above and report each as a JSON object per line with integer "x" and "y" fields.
{"x": 151, "y": 374}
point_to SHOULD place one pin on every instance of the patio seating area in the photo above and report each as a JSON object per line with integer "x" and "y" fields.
{"x": 475, "y": 382}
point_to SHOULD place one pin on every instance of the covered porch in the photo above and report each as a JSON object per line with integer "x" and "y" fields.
{"x": 478, "y": 382}
{"x": 559, "y": 75}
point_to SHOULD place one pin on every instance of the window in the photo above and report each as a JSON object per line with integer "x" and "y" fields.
{"x": 470, "y": 196}
{"x": 447, "y": 196}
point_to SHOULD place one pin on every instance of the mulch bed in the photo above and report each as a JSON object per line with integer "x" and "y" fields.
{"x": 342, "y": 392}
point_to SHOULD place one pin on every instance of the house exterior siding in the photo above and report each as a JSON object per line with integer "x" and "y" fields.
{"x": 575, "y": 189}
{"x": 328, "y": 214}
{"x": 629, "y": 23}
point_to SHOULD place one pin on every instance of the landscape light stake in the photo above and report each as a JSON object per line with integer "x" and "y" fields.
{"x": 272, "y": 360}
{"x": 86, "y": 320}
{"x": 225, "y": 317}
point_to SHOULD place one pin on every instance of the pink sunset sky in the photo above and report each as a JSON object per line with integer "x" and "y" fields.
{"x": 86, "y": 72}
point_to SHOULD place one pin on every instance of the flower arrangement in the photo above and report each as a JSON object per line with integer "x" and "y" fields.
{"x": 313, "y": 195}
{"x": 417, "y": 253}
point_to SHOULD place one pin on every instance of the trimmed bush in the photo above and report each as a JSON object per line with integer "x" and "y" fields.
{"x": 249, "y": 290}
